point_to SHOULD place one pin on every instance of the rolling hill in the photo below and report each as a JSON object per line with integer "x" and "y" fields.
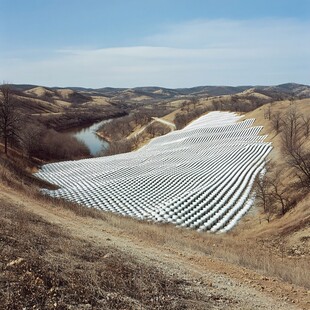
{"x": 62, "y": 253}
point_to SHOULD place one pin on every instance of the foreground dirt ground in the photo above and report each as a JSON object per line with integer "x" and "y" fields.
{"x": 218, "y": 284}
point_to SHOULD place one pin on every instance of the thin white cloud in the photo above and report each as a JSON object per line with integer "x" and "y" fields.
{"x": 225, "y": 33}
{"x": 194, "y": 53}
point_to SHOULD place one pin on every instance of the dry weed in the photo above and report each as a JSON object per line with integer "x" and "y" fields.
{"x": 42, "y": 267}
{"x": 250, "y": 253}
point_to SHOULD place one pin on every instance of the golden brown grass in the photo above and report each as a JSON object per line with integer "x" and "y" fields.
{"x": 43, "y": 267}
{"x": 240, "y": 247}
{"x": 54, "y": 264}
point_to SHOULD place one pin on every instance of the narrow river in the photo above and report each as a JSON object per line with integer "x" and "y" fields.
{"x": 88, "y": 135}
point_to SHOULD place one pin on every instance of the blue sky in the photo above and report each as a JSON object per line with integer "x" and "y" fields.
{"x": 171, "y": 43}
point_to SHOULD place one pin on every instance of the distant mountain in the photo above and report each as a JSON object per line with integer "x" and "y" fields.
{"x": 213, "y": 90}
{"x": 284, "y": 91}
{"x": 23, "y": 87}
{"x": 153, "y": 93}
{"x": 288, "y": 89}
{"x": 292, "y": 89}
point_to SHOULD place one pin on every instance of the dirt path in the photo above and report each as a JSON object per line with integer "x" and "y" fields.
{"x": 218, "y": 285}
{"x": 154, "y": 119}
{"x": 171, "y": 125}
{"x": 139, "y": 132}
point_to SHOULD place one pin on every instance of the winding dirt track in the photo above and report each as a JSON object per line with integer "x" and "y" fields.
{"x": 223, "y": 286}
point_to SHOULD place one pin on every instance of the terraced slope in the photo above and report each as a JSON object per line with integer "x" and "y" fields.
{"x": 199, "y": 177}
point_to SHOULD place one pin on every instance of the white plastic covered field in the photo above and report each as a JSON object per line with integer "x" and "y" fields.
{"x": 199, "y": 177}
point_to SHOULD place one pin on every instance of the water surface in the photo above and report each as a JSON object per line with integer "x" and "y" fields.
{"x": 89, "y": 137}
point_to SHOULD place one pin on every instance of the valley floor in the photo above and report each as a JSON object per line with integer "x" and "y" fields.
{"x": 207, "y": 281}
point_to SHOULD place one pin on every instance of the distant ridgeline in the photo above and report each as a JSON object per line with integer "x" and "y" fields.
{"x": 198, "y": 177}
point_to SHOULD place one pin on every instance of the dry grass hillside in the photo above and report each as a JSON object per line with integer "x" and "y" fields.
{"x": 61, "y": 109}
{"x": 55, "y": 255}
{"x": 58, "y": 255}
{"x": 292, "y": 231}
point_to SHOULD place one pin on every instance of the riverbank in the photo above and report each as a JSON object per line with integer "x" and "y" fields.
{"x": 84, "y": 123}
{"x": 138, "y": 137}
{"x": 89, "y": 137}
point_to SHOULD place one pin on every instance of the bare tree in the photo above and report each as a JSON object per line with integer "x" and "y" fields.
{"x": 267, "y": 112}
{"x": 273, "y": 192}
{"x": 143, "y": 118}
{"x": 180, "y": 120}
{"x": 264, "y": 191}
{"x": 306, "y": 125}
{"x": 9, "y": 117}
{"x": 298, "y": 157}
{"x": 292, "y": 126}
{"x": 295, "y": 147}
{"x": 276, "y": 121}
{"x": 279, "y": 192}
{"x": 217, "y": 104}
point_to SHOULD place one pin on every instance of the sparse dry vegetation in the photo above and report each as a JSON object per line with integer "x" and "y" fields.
{"x": 286, "y": 182}
{"x": 264, "y": 254}
{"x": 47, "y": 144}
{"x": 120, "y": 128}
{"x": 128, "y": 133}
{"x": 44, "y": 266}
